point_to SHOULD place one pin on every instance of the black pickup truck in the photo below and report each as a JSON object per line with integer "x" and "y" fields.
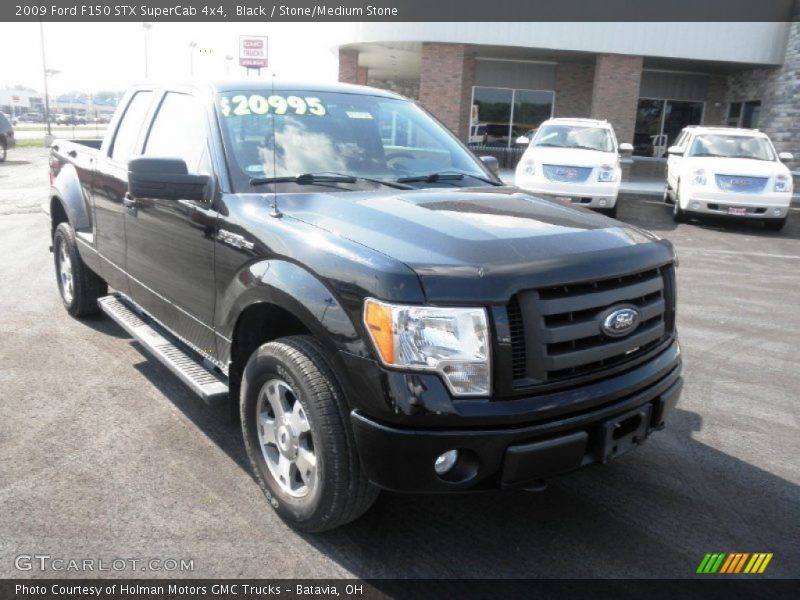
{"x": 377, "y": 307}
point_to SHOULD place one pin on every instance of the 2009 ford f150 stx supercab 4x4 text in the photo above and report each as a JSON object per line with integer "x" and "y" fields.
{"x": 379, "y": 308}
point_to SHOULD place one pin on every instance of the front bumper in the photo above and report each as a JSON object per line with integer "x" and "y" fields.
{"x": 402, "y": 459}
{"x": 770, "y": 205}
{"x": 593, "y": 194}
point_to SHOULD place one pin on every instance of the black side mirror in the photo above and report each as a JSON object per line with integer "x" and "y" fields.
{"x": 492, "y": 163}
{"x": 165, "y": 179}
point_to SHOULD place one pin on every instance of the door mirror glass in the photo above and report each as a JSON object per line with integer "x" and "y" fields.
{"x": 523, "y": 140}
{"x": 675, "y": 151}
{"x": 625, "y": 148}
{"x": 786, "y": 156}
{"x": 492, "y": 163}
{"x": 165, "y": 179}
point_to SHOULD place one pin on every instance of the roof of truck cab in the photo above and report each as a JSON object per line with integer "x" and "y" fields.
{"x": 268, "y": 85}
{"x": 577, "y": 121}
{"x": 725, "y": 130}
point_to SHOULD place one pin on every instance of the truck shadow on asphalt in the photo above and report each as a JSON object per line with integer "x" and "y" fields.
{"x": 649, "y": 212}
{"x": 652, "y": 513}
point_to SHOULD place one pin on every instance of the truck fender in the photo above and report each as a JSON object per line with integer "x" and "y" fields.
{"x": 299, "y": 292}
{"x": 66, "y": 187}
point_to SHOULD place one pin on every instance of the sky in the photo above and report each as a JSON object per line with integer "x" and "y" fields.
{"x": 110, "y": 56}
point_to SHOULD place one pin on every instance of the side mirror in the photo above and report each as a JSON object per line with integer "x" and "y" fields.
{"x": 165, "y": 179}
{"x": 523, "y": 140}
{"x": 786, "y": 156}
{"x": 492, "y": 163}
{"x": 675, "y": 151}
{"x": 625, "y": 148}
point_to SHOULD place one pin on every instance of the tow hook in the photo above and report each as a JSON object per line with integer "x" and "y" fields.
{"x": 539, "y": 485}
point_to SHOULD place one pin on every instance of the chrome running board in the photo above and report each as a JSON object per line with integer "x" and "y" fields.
{"x": 189, "y": 369}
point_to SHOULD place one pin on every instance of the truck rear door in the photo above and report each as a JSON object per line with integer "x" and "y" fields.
{"x": 110, "y": 186}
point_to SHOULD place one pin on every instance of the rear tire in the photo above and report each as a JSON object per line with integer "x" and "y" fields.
{"x": 78, "y": 285}
{"x": 666, "y": 197}
{"x": 775, "y": 224}
{"x": 296, "y": 429}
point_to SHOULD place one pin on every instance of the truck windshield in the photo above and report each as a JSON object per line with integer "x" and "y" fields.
{"x": 573, "y": 136}
{"x": 732, "y": 146}
{"x": 283, "y": 134}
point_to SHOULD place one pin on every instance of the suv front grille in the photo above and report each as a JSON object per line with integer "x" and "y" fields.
{"x": 556, "y": 334}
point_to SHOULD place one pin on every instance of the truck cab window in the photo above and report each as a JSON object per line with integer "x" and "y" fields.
{"x": 130, "y": 127}
{"x": 178, "y": 131}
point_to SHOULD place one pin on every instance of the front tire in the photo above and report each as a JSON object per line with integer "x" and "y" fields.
{"x": 295, "y": 424}
{"x": 3, "y": 150}
{"x": 610, "y": 212}
{"x": 678, "y": 214}
{"x": 775, "y": 224}
{"x": 78, "y": 285}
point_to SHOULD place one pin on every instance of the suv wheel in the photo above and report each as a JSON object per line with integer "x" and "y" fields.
{"x": 666, "y": 197}
{"x": 775, "y": 224}
{"x": 678, "y": 214}
{"x": 3, "y": 149}
{"x": 78, "y": 285}
{"x": 296, "y": 431}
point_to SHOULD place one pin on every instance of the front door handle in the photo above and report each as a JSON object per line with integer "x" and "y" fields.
{"x": 129, "y": 201}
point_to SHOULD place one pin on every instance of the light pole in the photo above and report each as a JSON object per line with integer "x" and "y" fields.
{"x": 228, "y": 59}
{"x": 46, "y": 93}
{"x": 146, "y": 29}
{"x": 192, "y": 46}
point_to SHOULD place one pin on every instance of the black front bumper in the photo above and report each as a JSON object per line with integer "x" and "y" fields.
{"x": 493, "y": 457}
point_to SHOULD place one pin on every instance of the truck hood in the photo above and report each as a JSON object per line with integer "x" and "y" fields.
{"x": 482, "y": 242}
{"x": 573, "y": 157}
{"x": 738, "y": 166}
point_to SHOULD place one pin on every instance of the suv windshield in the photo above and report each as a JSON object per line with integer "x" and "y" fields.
{"x": 574, "y": 136}
{"x": 289, "y": 133}
{"x": 732, "y": 146}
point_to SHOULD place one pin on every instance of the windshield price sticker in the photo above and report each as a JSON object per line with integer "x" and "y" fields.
{"x": 255, "y": 104}
{"x": 354, "y": 114}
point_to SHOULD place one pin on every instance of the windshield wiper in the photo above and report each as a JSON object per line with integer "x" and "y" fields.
{"x": 444, "y": 176}
{"x": 313, "y": 178}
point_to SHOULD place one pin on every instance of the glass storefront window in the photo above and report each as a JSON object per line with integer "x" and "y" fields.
{"x": 504, "y": 114}
{"x": 658, "y": 123}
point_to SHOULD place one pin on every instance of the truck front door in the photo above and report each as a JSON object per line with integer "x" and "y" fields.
{"x": 170, "y": 243}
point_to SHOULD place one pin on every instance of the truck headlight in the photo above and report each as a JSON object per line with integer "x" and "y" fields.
{"x": 453, "y": 342}
{"x": 699, "y": 177}
{"x": 783, "y": 183}
{"x": 606, "y": 173}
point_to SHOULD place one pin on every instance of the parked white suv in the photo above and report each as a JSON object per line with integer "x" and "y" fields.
{"x": 728, "y": 171}
{"x": 576, "y": 161}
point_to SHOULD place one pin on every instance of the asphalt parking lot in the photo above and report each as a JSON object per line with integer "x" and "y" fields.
{"x": 104, "y": 454}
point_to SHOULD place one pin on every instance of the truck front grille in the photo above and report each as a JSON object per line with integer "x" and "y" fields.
{"x": 556, "y": 333}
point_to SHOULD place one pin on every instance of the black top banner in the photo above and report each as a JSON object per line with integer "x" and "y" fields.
{"x": 398, "y": 10}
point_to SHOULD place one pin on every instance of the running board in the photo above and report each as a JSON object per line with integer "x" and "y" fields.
{"x": 189, "y": 369}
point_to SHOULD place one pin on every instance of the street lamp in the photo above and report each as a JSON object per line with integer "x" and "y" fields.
{"x": 228, "y": 59}
{"x": 192, "y": 46}
{"x": 146, "y": 29}
{"x": 46, "y": 93}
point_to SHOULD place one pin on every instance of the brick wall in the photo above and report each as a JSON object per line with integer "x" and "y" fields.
{"x": 615, "y": 93}
{"x": 716, "y": 109}
{"x": 573, "y": 90}
{"x": 407, "y": 88}
{"x": 348, "y": 65}
{"x": 447, "y": 72}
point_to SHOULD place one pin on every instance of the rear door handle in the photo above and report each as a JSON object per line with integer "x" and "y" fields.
{"x": 129, "y": 201}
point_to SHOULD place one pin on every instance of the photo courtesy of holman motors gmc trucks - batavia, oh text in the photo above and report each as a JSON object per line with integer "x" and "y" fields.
{"x": 379, "y": 309}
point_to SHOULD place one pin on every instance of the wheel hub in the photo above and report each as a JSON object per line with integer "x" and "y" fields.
{"x": 287, "y": 439}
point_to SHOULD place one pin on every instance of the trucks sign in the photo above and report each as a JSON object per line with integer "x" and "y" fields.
{"x": 252, "y": 52}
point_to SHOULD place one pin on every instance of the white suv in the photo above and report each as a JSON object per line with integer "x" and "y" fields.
{"x": 728, "y": 171}
{"x": 574, "y": 160}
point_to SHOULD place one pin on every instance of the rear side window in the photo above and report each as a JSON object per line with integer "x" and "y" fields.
{"x": 130, "y": 127}
{"x": 4, "y": 124}
{"x": 179, "y": 131}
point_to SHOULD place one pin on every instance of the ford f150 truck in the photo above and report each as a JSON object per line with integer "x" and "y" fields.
{"x": 380, "y": 309}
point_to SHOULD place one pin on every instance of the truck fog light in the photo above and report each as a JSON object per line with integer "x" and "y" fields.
{"x": 776, "y": 212}
{"x": 445, "y": 462}
{"x": 695, "y": 205}
{"x": 602, "y": 203}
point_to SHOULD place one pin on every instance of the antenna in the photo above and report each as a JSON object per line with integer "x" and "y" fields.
{"x": 276, "y": 213}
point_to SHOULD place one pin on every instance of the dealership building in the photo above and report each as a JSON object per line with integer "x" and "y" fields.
{"x": 648, "y": 79}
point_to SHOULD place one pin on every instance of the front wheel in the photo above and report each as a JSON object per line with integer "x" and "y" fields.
{"x": 775, "y": 224}
{"x": 79, "y": 286}
{"x": 296, "y": 431}
{"x": 610, "y": 212}
{"x": 678, "y": 214}
{"x": 3, "y": 150}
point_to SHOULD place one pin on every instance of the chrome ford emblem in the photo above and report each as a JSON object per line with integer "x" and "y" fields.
{"x": 620, "y": 321}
